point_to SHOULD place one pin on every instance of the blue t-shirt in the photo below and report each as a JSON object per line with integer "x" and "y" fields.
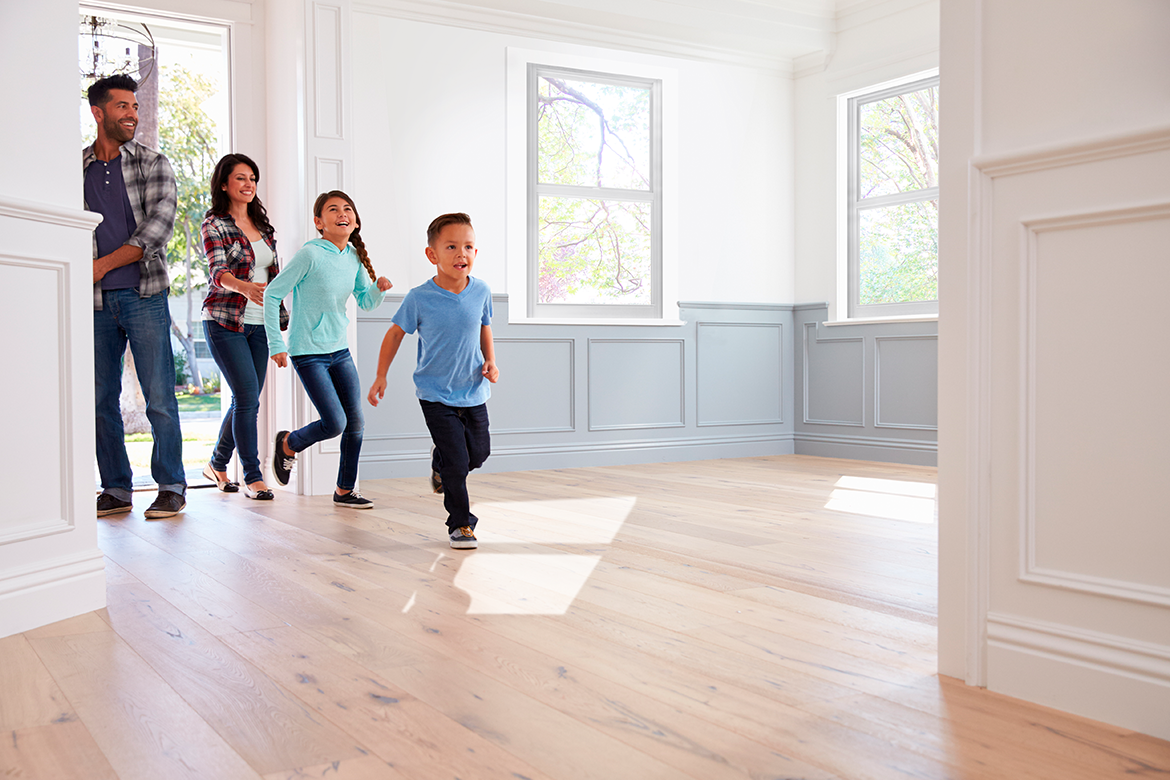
{"x": 450, "y": 362}
{"x": 105, "y": 193}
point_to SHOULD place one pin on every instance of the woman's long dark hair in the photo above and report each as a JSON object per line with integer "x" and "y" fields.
{"x": 220, "y": 202}
{"x": 355, "y": 237}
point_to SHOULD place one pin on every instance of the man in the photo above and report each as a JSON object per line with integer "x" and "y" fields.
{"x": 133, "y": 188}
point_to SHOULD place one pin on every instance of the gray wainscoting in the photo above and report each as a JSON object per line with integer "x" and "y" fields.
{"x": 868, "y": 390}
{"x": 719, "y": 385}
{"x": 733, "y": 380}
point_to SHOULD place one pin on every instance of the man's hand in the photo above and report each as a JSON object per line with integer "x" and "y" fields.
{"x": 377, "y": 391}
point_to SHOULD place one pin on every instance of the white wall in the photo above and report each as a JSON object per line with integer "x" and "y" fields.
{"x": 50, "y": 565}
{"x": 1054, "y": 532}
{"x": 429, "y": 113}
{"x": 867, "y": 52}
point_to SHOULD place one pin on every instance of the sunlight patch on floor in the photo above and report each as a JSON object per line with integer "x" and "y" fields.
{"x": 537, "y": 583}
{"x": 891, "y": 499}
{"x": 521, "y": 584}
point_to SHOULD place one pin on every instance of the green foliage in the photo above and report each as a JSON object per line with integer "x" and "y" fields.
{"x": 898, "y": 244}
{"x": 594, "y": 135}
{"x": 181, "y": 375}
{"x": 211, "y": 384}
{"x": 187, "y": 136}
{"x": 899, "y": 253}
{"x": 899, "y": 144}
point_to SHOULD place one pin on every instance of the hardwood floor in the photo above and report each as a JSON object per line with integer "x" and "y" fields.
{"x": 752, "y": 618}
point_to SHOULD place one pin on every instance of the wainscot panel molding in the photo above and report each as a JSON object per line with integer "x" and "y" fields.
{"x": 1077, "y": 498}
{"x": 602, "y": 394}
{"x": 50, "y": 564}
{"x": 731, "y": 391}
{"x": 841, "y": 376}
{"x": 906, "y": 377}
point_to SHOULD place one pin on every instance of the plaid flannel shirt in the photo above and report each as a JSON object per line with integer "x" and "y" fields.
{"x": 153, "y": 195}
{"x": 228, "y": 250}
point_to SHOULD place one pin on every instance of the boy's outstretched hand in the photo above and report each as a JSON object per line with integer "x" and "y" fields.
{"x": 490, "y": 371}
{"x": 377, "y": 391}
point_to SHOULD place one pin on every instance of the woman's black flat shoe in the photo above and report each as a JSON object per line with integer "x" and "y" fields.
{"x": 224, "y": 485}
{"x": 258, "y": 495}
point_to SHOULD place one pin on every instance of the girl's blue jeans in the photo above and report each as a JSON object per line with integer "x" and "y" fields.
{"x": 334, "y": 388}
{"x": 243, "y": 361}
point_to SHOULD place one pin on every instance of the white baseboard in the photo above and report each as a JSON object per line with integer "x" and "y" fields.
{"x": 1100, "y": 676}
{"x": 52, "y": 590}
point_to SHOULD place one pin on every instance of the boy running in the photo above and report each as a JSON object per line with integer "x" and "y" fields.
{"x": 452, "y": 313}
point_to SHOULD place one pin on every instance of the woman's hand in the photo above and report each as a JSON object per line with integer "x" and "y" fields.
{"x": 384, "y": 284}
{"x": 280, "y": 359}
{"x": 253, "y": 291}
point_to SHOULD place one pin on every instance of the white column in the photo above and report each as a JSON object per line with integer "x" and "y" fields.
{"x": 50, "y": 564}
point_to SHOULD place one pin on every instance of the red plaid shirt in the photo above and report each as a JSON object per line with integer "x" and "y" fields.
{"x": 228, "y": 250}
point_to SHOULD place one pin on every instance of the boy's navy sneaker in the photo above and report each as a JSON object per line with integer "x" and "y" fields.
{"x": 464, "y": 538}
{"x": 282, "y": 464}
{"x": 353, "y": 500}
{"x": 109, "y": 505}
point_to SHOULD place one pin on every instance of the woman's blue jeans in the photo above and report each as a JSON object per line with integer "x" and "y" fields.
{"x": 462, "y": 443}
{"x": 243, "y": 361}
{"x": 334, "y": 388}
{"x": 145, "y": 323}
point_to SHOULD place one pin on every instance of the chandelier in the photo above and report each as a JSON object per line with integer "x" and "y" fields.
{"x": 111, "y": 46}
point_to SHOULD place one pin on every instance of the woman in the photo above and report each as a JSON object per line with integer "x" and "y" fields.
{"x": 321, "y": 277}
{"x": 240, "y": 245}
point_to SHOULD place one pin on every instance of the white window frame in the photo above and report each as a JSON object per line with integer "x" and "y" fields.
{"x": 523, "y": 193}
{"x": 849, "y": 109}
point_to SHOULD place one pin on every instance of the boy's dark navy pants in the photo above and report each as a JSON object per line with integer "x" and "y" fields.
{"x": 462, "y": 443}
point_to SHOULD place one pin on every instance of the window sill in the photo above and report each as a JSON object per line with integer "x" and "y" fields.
{"x": 884, "y": 320}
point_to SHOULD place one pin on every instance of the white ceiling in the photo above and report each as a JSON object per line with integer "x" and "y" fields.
{"x": 765, "y": 33}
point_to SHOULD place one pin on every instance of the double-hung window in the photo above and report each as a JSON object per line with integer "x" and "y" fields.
{"x": 594, "y": 216}
{"x": 893, "y": 200}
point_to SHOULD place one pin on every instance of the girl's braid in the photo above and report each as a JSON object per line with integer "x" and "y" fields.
{"x": 359, "y": 246}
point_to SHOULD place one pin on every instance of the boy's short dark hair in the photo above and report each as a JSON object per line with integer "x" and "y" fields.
{"x": 99, "y": 91}
{"x": 442, "y": 221}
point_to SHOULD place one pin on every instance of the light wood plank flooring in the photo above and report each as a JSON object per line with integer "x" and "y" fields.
{"x": 750, "y": 618}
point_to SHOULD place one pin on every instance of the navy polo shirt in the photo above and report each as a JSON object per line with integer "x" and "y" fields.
{"x": 105, "y": 193}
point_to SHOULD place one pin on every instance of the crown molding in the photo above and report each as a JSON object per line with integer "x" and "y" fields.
{"x": 452, "y": 13}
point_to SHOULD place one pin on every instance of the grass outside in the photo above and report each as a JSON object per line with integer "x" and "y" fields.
{"x": 199, "y": 438}
{"x": 197, "y": 403}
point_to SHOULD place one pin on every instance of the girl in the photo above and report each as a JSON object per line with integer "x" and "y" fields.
{"x": 240, "y": 245}
{"x": 321, "y": 277}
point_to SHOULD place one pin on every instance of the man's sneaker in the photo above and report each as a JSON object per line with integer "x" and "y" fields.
{"x": 281, "y": 464}
{"x": 464, "y": 538}
{"x": 168, "y": 504}
{"x": 436, "y": 483}
{"x": 353, "y": 500}
{"x": 109, "y": 505}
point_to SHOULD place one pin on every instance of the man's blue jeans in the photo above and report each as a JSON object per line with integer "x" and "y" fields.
{"x": 243, "y": 359}
{"x": 462, "y": 443}
{"x": 333, "y": 386}
{"x": 146, "y": 324}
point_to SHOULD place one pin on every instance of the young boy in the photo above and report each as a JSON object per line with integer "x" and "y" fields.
{"x": 452, "y": 313}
